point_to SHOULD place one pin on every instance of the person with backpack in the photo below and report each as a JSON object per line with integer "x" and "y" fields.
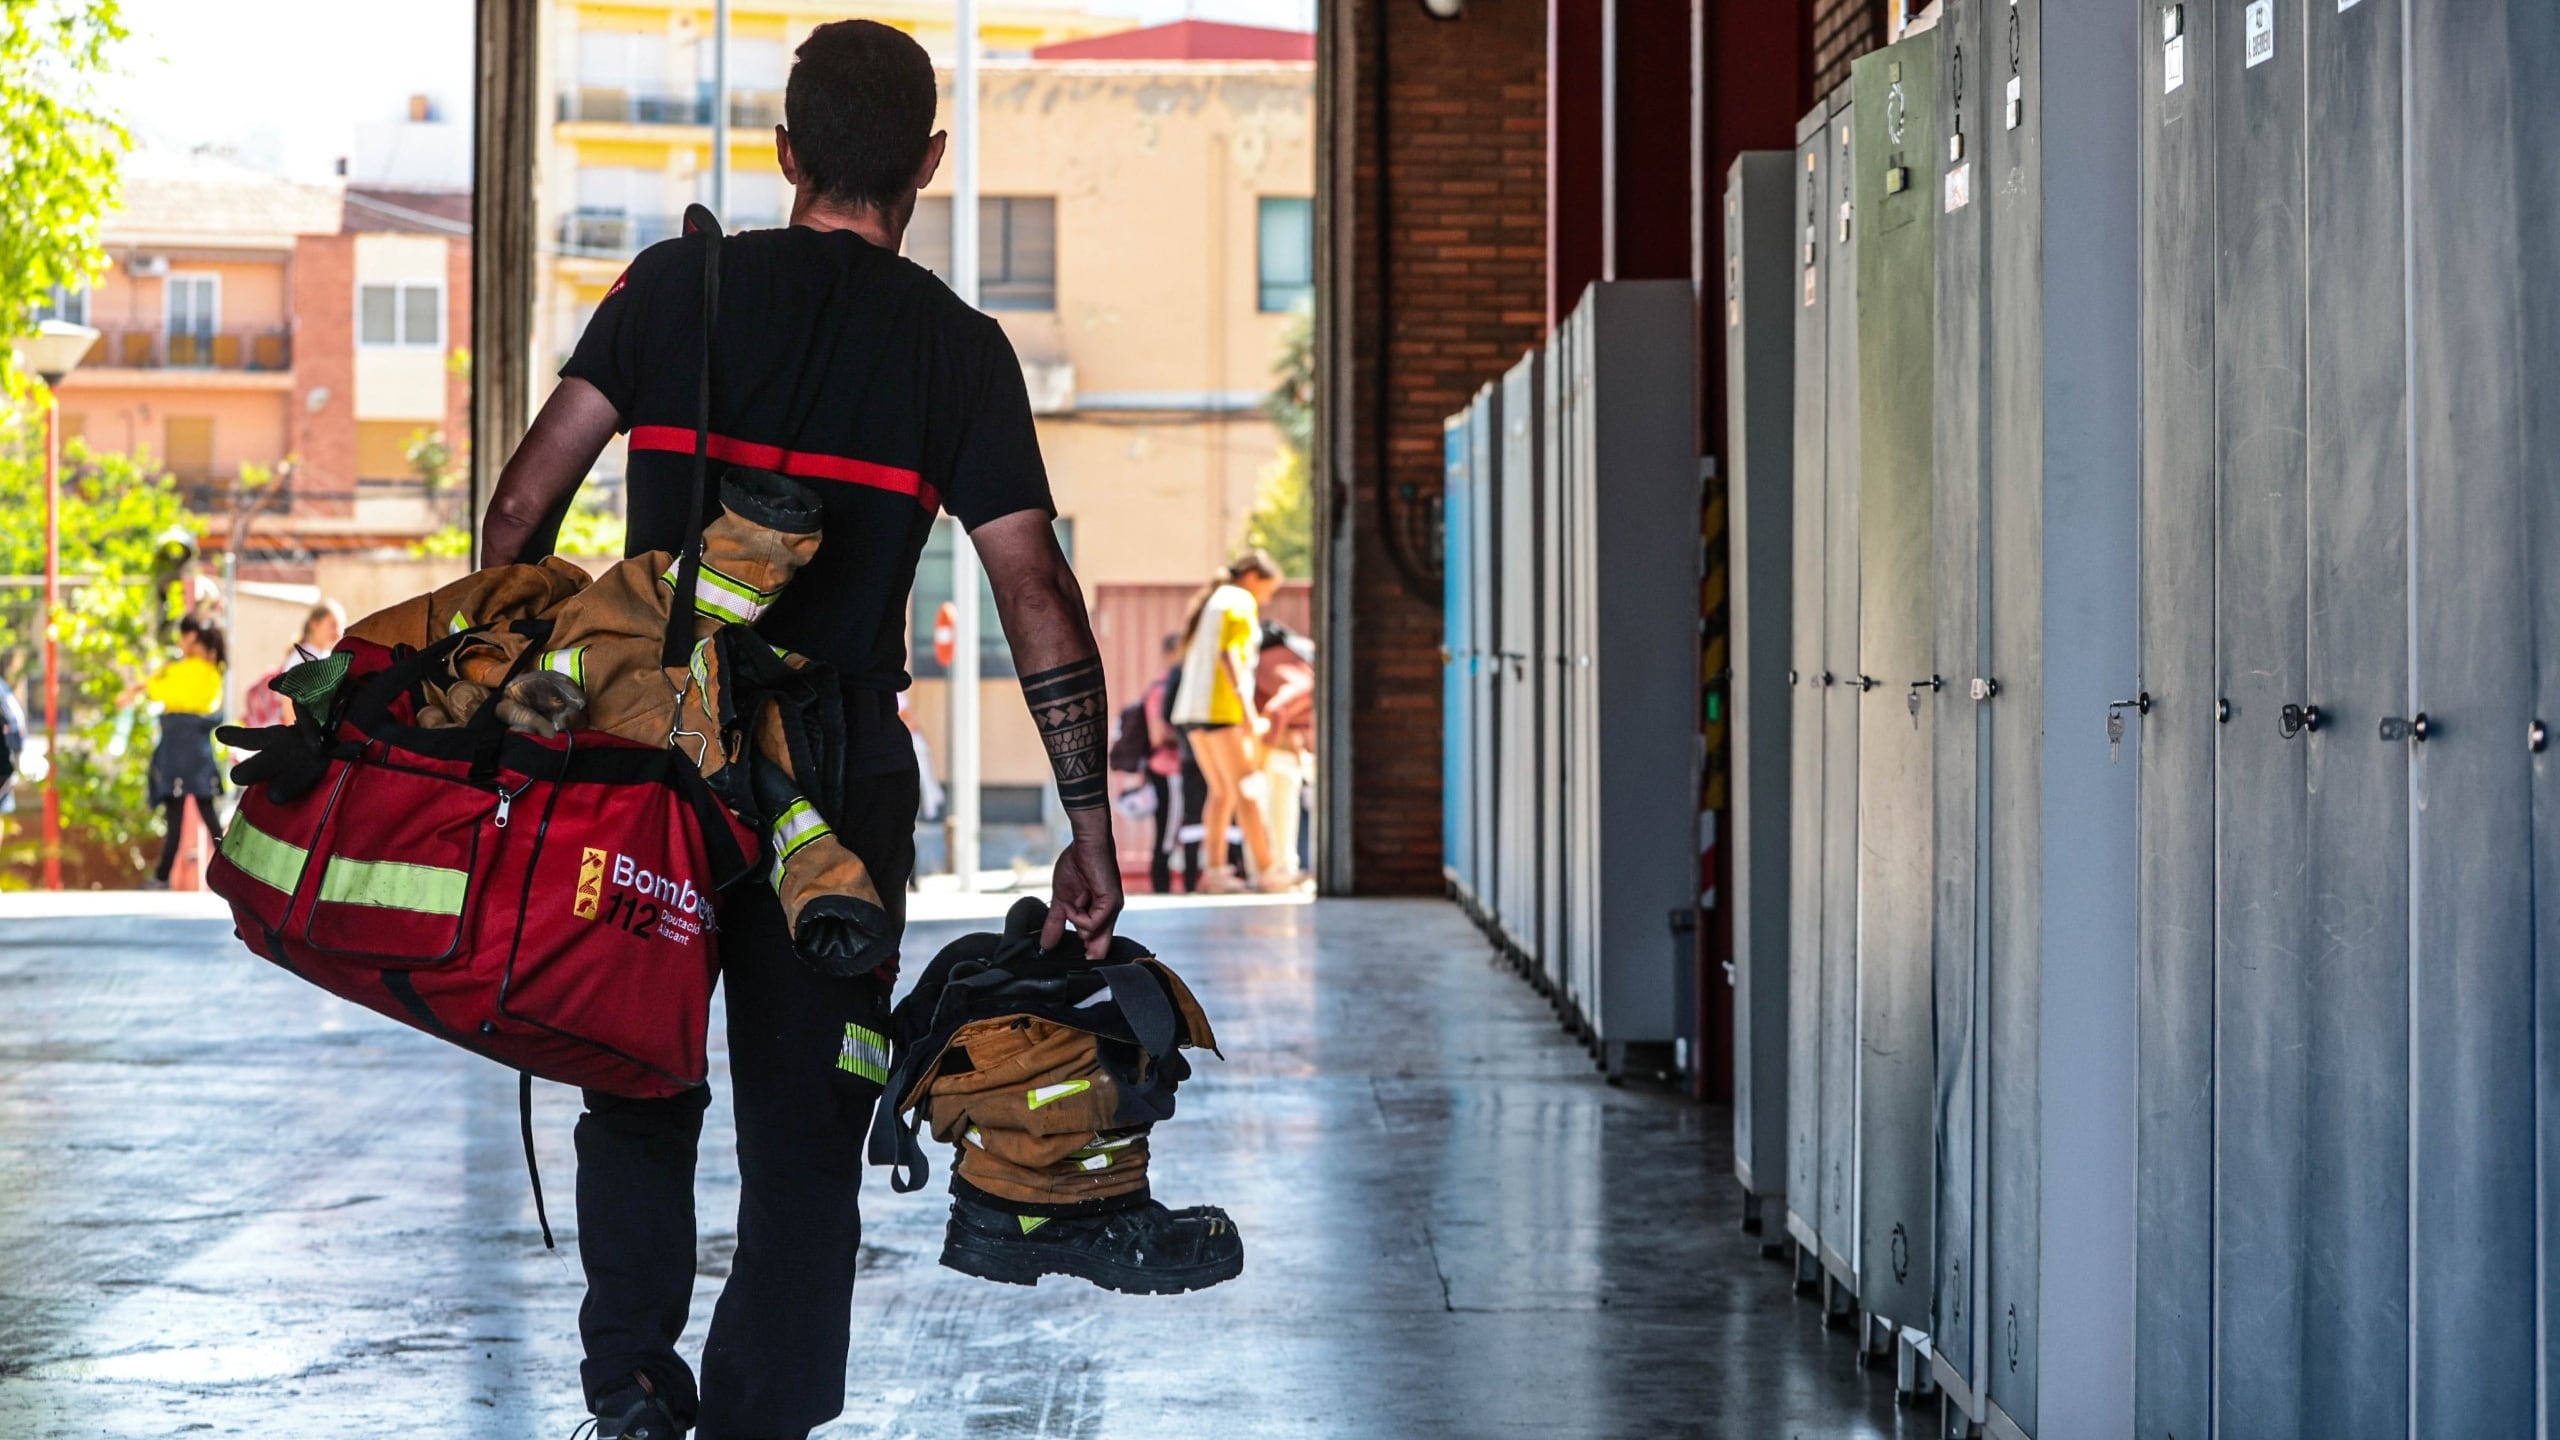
{"x": 189, "y": 693}
{"x": 840, "y": 364}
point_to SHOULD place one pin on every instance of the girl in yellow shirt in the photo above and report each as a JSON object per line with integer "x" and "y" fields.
{"x": 1213, "y": 708}
{"x": 189, "y": 692}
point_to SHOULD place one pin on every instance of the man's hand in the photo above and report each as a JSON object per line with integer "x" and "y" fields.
{"x": 1086, "y": 891}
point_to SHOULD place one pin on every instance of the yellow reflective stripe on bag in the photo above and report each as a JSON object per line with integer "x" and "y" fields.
{"x": 866, "y": 1053}
{"x": 459, "y": 623}
{"x": 262, "y": 857}
{"x": 571, "y": 662}
{"x": 394, "y": 885}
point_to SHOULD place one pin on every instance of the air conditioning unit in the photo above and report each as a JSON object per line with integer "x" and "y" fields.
{"x": 147, "y": 267}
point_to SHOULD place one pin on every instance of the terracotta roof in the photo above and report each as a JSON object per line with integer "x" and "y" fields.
{"x": 184, "y": 198}
{"x": 1187, "y": 40}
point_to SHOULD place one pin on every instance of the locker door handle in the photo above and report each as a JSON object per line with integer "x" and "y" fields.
{"x": 2414, "y": 728}
{"x": 1932, "y": 683}
{"x": 1828, "y": 679}
{"x": 1984, "y": 689}
{"x": 2139, "y": 704}
{"x": 1865, "y": 683}
{"x": 2537, "y": 738}
{"x": 2298, "y": 720}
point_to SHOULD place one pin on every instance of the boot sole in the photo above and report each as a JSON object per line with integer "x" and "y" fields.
{"x": 1016, "y": 1263}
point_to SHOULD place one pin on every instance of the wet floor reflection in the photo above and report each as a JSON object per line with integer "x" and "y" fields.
{"x": 232, "y": 1206}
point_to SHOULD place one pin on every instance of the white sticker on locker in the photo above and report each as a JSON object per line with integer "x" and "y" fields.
{"x": 2173, "y": 70}
{"x": 1810, "y": 271}
{"x": 2017, "y": 102}
{"x": 2346, "y": 5}
{"x": 1959, "y": 187}
{"x": 2261, "y": 32}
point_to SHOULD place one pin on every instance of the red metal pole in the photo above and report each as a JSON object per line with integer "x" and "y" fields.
{"x": 52, "y": 657}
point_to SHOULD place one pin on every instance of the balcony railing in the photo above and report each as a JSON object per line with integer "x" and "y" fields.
{"x": 615, "y": 235}
{"x": 748, "y": 110}
{"x": 158, "y": 349}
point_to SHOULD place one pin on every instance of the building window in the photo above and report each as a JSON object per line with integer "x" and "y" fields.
{"x": 400, "y": 315}
{"x": 1287, "y": 265}
{"x": 68, "y": 302}
{"x": 194, "y": 313}
{"x": 1017, "y": 248}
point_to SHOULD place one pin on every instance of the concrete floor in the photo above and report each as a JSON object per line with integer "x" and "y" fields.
{"x": 230, "y": 1205}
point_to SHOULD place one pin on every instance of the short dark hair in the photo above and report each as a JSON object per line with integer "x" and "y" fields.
{"x": 860, "y": 110}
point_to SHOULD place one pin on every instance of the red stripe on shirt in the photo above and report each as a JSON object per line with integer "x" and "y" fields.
{"x": 803, "y": 464}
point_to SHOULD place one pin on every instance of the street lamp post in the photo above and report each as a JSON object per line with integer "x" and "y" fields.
{"x": 52, "y": 353}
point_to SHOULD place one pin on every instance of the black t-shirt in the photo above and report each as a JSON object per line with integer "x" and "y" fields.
{"x": 849, "y": 368}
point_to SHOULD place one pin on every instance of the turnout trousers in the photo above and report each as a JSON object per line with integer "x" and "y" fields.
{"x": 773, "y": 1365}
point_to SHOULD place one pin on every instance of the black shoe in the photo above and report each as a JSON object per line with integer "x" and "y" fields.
{"x": 634, "y": 1413}
{"x": 1142, "y": 1250}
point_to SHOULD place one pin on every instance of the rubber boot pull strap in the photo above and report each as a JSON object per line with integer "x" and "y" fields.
{"x": 532, "y": 1168}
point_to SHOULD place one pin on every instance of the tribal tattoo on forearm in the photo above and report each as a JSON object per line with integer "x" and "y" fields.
{"x": 1067, "y": 704}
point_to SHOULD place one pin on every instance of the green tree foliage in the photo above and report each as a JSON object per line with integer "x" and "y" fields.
{"x": 113, "y": 509}
{"x": 59, "y": 148}
{"x": 1283, "y": 518}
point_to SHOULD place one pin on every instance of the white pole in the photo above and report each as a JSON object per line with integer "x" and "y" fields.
{"x": 964, "y": 558}
{"x": 720, "y": 113}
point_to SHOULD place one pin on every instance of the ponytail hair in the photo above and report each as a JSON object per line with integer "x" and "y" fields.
{"x": 1255, "y": 561}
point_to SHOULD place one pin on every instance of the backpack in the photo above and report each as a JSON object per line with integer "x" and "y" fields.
{"x": 1129, "y": 747}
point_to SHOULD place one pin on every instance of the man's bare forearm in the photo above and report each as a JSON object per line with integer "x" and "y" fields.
{"x": 1042, "y": 609}
{"x": 546, "y": 469}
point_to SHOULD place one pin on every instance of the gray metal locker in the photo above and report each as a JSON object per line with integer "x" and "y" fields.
{"x": 1522, "y": 679}
{"x": 2058, "y": 608}
{"x": 1484, "y": 721}
{"x": 1760, "y": 301}
{"x": 1896, "y": 149}
{"x": 2173, "y": 1241}
{"x": 1555, "y": 655}
{"x": 2262, "y": 912}
{"x": 1957, "y": 733}
{"x": 1838, "y": 1226}
{"x": 1632, "y": 400}
{"x": 1810, "y": 673}
{"x": 2481, "y": 134}
{"x": 2355, "y": 1203}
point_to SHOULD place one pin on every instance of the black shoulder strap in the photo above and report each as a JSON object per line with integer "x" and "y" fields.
{"x": 697, "y": 220}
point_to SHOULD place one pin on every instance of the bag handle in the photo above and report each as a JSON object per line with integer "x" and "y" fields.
{"x": 698, "y": 220}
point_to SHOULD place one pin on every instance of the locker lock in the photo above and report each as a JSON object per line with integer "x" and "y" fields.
{"x": 2222, "y": 711}
{"x": 1828, "y": 679}
{"x": 1865, "y": 683}
{"x": 1793, "y": 679}
{"x": 2298, "y": 720}
{"x": 2537, "y": 737}
{"x": 2413, "y": 728}
{"x": 1984, "y": 689}
{"x": 1932, "y": 683}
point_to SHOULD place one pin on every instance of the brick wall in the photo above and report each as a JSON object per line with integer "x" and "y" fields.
{"x": 1438, "y": 285}
{"x": 1843, "y": 30}
{"x": 324, "y": 357}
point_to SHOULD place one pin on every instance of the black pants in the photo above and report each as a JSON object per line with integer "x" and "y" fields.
{"x": 174, "y": 815}
{"x": 1168, "y": 824}
{"x": 773, "y": 1366}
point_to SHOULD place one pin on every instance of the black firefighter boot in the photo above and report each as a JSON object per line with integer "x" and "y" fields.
{"x": 635, "y": 1413}
{"x": 1141, "y": 1249}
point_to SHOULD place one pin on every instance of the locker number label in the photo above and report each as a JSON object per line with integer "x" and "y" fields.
{"x": 1959, "y": 187}
{"x": 2173, "y": 65}
{"x": 2259, "y": 28}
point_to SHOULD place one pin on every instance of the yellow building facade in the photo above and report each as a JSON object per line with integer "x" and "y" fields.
{"x": 1146, "y": 233}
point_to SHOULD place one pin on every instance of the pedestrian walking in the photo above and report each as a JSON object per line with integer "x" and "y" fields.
{"x": 1284, "y": 690}
{"x": 188, "y": 691}
{"x": 838, "y": 362}
{"x": 1213, "y": 707}
{"x": 263, "y": 705}
{"x": 1165, "y": 757}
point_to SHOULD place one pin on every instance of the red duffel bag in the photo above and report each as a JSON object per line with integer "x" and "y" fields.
{"x": 545, "y": 902}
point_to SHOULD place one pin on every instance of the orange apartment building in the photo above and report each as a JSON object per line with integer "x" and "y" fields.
{"x": 307, "y": 330}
